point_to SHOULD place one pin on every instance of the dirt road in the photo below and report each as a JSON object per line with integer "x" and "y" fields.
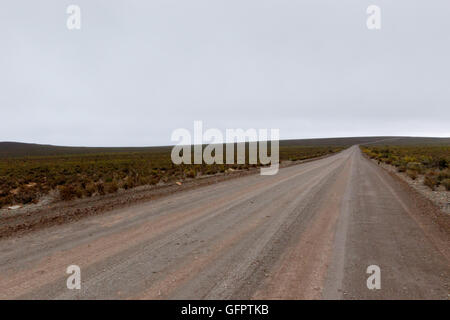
{"x": 309, "y": 232}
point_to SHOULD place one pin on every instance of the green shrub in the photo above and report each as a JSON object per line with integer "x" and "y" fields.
{"x": 443, "y": 163}
{"x": 89, "y": 189}
{"x": 444, "y": 174}
{"x": 67, "y": 192}
{"x": 430, "y": 181}
{"x": 129, "y": 183}
{"x": 415, "y": 166}
{"x": 111, "y": 187}
{"x": 412, "y": 174}
{"x": 6, "y": 200}
{"x": 191, "y": 173}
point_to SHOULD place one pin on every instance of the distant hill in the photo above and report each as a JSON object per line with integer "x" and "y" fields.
{"x": 346, "y": 141}
{"x": 18, "y": 149}
{"x": 369, "y": 140}
{"x": 404, "y": 141}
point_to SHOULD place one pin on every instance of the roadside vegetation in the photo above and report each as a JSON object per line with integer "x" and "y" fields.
{"x": 428, "y": 162}
{"x": 25, "y": 179}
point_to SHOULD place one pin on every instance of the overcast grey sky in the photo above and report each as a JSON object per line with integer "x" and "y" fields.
{"x": 137, "y": 70}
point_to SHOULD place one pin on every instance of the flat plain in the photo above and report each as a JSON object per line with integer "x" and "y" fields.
{"x": 309, "y": 232}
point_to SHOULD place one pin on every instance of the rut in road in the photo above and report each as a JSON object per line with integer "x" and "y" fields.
{"x": 309, "y": 232}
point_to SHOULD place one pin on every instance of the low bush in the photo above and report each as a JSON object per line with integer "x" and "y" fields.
{"x": 67, "y": 192}
{"x": 443, "y": 163}
{"x": 415, "y": 166}
{"x": 412, "y": 174}
{"x": 100, "y": 188}
{"x": 87, "y": 174}
{"x": 446, "y": 184}
{"x": 90, "y": 189}
{"x": 430, "y": 181}
{"x": 191, "y": 173}
{"x": 444, "y": 174}
{"x": 433, "y": 161}
{"x": 111, "y": 187}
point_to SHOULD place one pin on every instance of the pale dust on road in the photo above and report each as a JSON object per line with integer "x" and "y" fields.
{"x": 309, "y": 232}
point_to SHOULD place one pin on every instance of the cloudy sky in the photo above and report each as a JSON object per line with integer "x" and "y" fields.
{"x": 137, "y": 70}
